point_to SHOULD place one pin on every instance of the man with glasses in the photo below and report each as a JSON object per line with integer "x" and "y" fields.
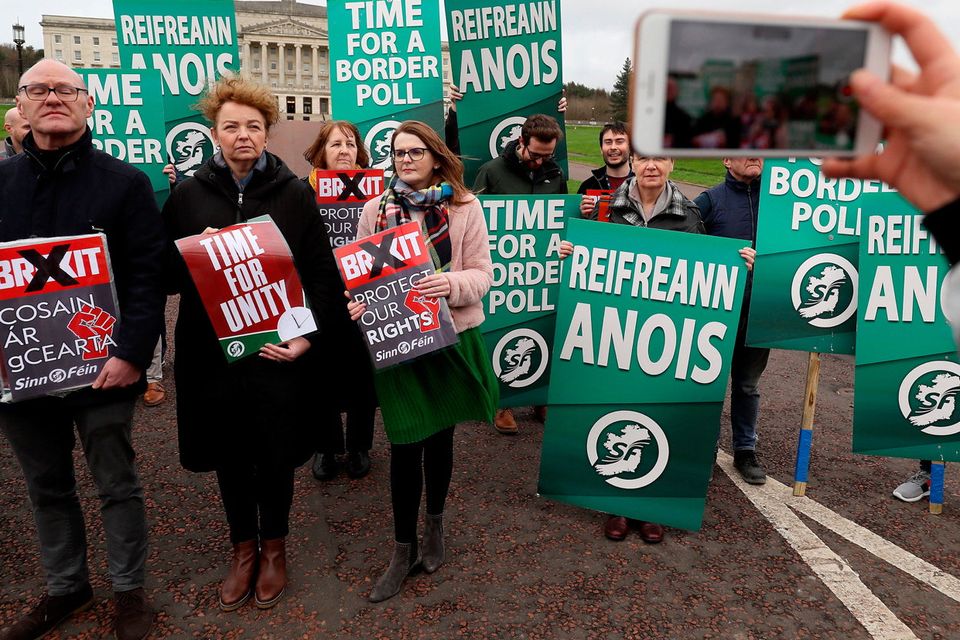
{"x": 526, "y": 166}
{"x": 61, "y": 186}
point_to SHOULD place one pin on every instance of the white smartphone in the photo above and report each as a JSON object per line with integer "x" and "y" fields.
{"x": 710, "y": 84}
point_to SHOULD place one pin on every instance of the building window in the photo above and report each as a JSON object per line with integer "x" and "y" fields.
{"x": 116, "y": 58}
{"x": 289, "y": 66}
{"x": 76, "y": 56}
{"x": 96, "y": 56}
{"x": 273, "y": 66}
{"x": 307, "y": 106}
{"x": 76, "y": 39}
{"x": 58, "y": 54}
{"x": 324, "y": 106}
{"x": 306, "y": 67}
{"x": 291, "y": 104}
{"x": 58, "y": 38}
{"x": 96, "y": 41}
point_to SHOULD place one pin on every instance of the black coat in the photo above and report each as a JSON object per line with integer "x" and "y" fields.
{"x": 254, "y": 409}
{"x": 86, "y": 191}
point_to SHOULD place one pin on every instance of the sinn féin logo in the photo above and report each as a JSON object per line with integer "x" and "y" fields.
{"x": 189, "y": 145}
{"x": 824, "y": 290}
{"x": 235, "y": 349}
{"x": 378, "y": 140}
{"x": 520, "y": 358}
{"x": 633, "y": 451}
{"x": 503, "y": 133}
{"x": 928, "y": 397}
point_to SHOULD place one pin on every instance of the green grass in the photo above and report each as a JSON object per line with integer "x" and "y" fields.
{"x": 583, "y": 147}
{"x": 3, "y": 112}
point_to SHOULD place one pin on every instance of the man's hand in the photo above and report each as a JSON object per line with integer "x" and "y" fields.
{"x": 921, "y": 157}
{"x": 117, "y": 373}
{"x": 587, "y": 205}
{"x": 170, "y": 172}
{"x": 749, "y": 255}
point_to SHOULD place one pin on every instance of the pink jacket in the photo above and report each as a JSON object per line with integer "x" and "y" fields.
{"x": 471, "y": 270}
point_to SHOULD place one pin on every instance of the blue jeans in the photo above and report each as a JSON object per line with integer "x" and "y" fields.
{"x": 41, "y": 433}
{"x": 748, "y": 365}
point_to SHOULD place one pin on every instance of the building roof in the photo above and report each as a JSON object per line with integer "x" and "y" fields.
{"x": 288, "y": 7}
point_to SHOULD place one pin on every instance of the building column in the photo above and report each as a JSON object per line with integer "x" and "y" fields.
{"x": 281, "y": 64}
{"x": 264, "y": 62}
{"x": 298, "y": 61}
{"x": 246, "y": 67}
{"x": 313, "y": 67}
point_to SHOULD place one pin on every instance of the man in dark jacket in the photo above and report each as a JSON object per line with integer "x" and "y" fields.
{"x": 615, "y": 148}
{"x": 17, "y": 128}
{"x": 730, "y": 210}
{"x": 61, "y": 186}
{"x": 526, "y": 165}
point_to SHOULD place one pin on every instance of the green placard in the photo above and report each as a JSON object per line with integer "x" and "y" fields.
{"x": 646, "y": 323}
{"x": 507, "y": 62}
{"x": 805, "y": 280}
{"x": 386, "y": 67}
{"x": 907, "y": 371}
{"x": 520, "y": 309}
{"x": 190, "y": 44}
{"x": 127, "y": 120}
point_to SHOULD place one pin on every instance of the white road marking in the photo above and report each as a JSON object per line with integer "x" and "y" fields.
{"x": 900, "y": 558}
{"x": 836, "y": 574}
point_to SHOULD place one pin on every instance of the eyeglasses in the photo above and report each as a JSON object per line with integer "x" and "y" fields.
{"x": 39, "y": 92}
{"x": 536, "y": 157}
{"x": 414, "y": 154}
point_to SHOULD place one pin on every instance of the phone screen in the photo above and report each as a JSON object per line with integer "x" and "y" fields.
{"x": 753, "y": 86}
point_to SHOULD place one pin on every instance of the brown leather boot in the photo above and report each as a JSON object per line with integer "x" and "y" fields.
{"x": 238, "y": 585}
{"x": 272, "y": 578}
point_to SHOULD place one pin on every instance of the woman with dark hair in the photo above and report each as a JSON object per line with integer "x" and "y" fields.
{"x": 243, "y": 420}
{"x": 338, "y": 146}
{"x": 423, "y": 399}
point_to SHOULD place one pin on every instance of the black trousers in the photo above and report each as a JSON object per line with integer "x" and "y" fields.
{"x": 257, "y": 500}
{"x": 359, "y": 428}
{"x": 427, "y": 462}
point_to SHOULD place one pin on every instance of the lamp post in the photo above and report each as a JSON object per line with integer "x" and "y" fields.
{"x": 18, "y": 40}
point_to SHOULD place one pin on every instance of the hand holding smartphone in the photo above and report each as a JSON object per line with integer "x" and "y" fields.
{"x": 708, "y": 85}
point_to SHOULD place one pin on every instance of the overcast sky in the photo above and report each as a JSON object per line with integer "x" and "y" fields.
{"x": 597, "y": 34}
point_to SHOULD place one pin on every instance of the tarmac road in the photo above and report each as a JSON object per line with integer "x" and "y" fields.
{"x": 520, "y": 566}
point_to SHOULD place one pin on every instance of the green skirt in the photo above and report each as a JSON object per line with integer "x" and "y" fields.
{"x": 423, "y": 397}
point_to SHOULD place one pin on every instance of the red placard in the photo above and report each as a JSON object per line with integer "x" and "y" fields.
{"x": 249, "y": 285}
{"x": 29, "y": 267}
{"x": 58, "y": 314}
{"x": 359, "y": 185}
{"x": 603, "y": 196}
{"x": 382, "y": 270}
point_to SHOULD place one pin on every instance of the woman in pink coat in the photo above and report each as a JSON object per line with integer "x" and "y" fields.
{"x": 423, "y": 399}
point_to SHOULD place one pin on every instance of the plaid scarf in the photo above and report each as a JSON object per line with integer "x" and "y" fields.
{"x": 399, "y": 200}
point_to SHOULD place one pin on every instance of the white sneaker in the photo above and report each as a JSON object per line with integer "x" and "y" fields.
{"x": 917, "y": 487}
